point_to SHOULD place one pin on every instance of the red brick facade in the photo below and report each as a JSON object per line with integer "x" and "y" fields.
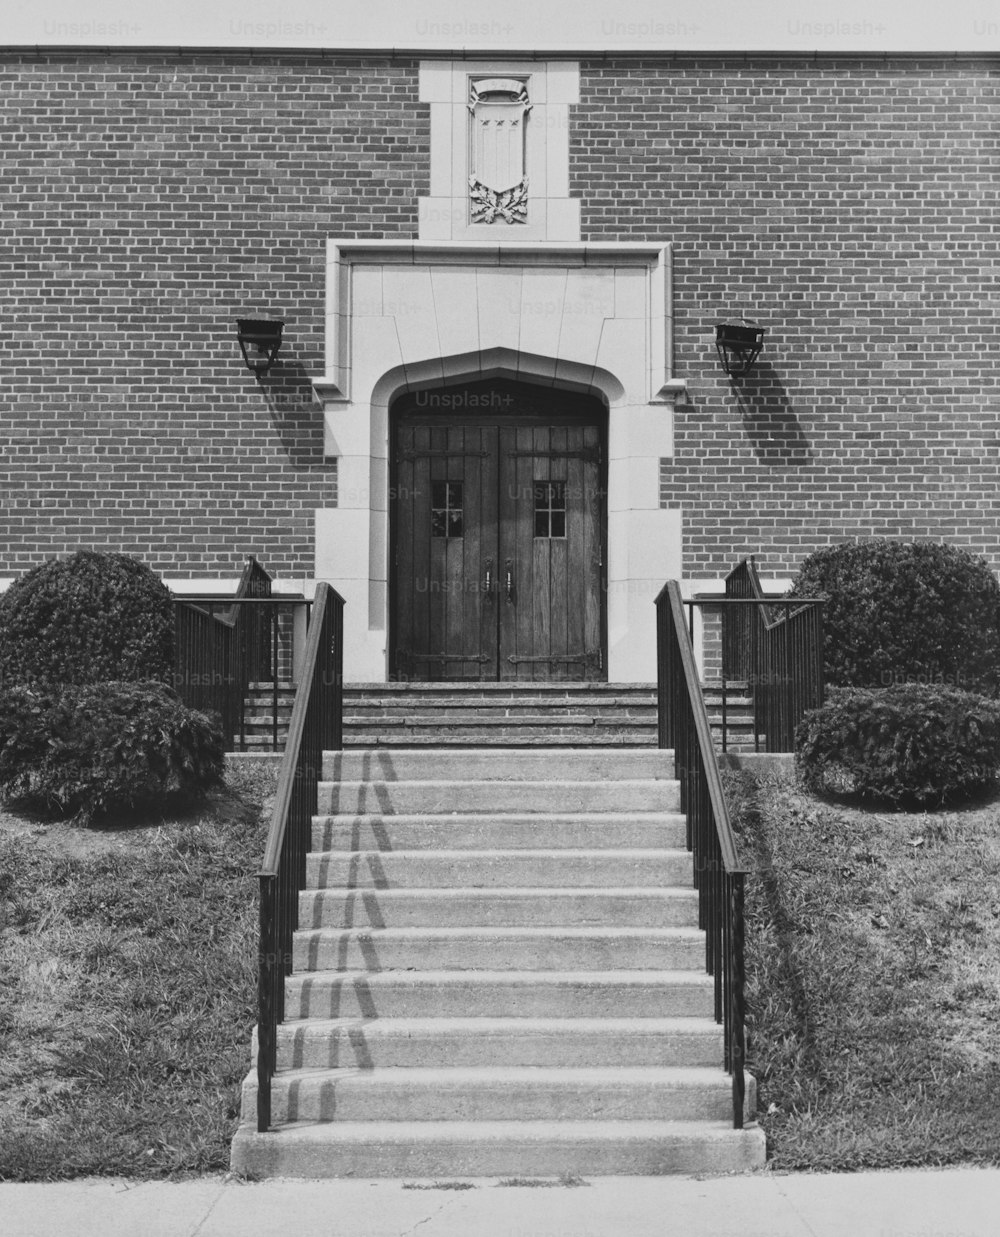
{"x": 148, "y": 200}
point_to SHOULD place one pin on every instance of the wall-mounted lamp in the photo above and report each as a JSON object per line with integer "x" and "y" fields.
{"x": 260, "y": 339}
{"x": 738, "y": 346}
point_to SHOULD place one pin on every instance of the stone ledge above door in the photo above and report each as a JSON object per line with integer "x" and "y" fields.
{"x": 392, "y": 304}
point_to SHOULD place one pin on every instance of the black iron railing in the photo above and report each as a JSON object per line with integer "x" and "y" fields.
{"x": 777, "y": 646}
{"x": 316, "y": 727}
{"x": 226, "y": 646}
{"x": 773, "y": 646}
{"x": 719, "y": 876}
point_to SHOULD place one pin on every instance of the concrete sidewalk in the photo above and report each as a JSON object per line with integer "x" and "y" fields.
{"x": 961, "y": 1202}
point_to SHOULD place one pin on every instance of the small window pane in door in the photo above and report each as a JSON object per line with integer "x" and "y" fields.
{"x": 447, "y": 517}
{"x": 550, "y": 508}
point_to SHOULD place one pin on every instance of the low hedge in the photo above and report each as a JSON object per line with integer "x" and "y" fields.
{"x": 910, "y": 745}
{"x": 93, "y": 750}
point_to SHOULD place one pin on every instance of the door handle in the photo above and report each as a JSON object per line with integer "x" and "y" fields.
{"x": 488, "y": 587}
{"x": 510, "y": 582}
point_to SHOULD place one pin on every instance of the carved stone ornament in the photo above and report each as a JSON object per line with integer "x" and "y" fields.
{"x": 498, "y": 186}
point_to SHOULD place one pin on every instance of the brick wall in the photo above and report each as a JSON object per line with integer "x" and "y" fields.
{"x": 150, "y": 199}
{"x": 147, "y": 201}
{"x": 851, "y": 208}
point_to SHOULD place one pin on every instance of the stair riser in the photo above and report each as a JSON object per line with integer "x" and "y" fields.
{"x": 526, "y": 738}
{"x": 351, "y": 952}
{"x": 472, "y": 833}
{"x": 412, "y": 798}
{"x": 359, "y": 1049}
{"x": 418, "y": 697}
{"x": 403, "y": 739}
{"x": 331, "y": 998}
{"x": 455, "y": 869}
{"x": 352, "y": 1099}
{"x": 476, "y": 710}
{"x": 463, "y": 766}
{"x": 482, "y": 908}
{"x": 518, "y": 1155}
{"x": 473, "y": 733}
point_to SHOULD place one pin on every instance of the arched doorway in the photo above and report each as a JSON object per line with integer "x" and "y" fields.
{"x": 497, "y": 533}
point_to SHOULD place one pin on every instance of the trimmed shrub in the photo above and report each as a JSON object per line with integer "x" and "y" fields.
{"x": 910, "y": 745}
{"x": 89, "y": 618}
{"x": 900, "y": 612}
{"x": 89, "y": 751}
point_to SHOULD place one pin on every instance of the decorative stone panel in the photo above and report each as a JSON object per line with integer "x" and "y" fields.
{"x": 499, "y": 150}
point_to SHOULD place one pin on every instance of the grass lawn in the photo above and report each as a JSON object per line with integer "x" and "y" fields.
{"x": 873, "y": 960}
{"x": 127, "y": 987}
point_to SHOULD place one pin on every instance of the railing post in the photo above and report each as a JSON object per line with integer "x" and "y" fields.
{"x": 274, "y": 681}
{"x": 268, "y": 978}
{"x": 737, "y": 1019}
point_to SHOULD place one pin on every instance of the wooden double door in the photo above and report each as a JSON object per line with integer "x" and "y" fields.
{"x": 498, "y": 529}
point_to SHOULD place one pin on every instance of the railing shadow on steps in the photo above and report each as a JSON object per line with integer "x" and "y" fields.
{"x": 316, "y": 727}
{"x": 719, "y": 876}
{"x": 223, "y": 645}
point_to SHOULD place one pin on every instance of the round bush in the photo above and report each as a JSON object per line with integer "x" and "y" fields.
{"x": 89, "y": 618}
{"x": 900, "y": 612}
{"x": 100, "y": 748}
{"x": 910, "y": 745}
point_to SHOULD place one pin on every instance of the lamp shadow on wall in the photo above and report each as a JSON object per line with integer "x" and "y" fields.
{"x": 769, "y": 418}
{"x": 295, "y": 415}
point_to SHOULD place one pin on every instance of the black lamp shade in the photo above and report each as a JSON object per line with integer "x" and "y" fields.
{"x": 260, "y": 339}
{"x": 738, "y": 346}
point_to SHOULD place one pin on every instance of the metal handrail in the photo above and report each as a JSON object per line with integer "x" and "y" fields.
{"x": 719, "y": 875}
{"x": 217, "y": 654}
{"x": 778, "y": 653}
{"x": 226, "y": 643}
{"x": 316, "y": 727}
{"x": 790, "y": 605}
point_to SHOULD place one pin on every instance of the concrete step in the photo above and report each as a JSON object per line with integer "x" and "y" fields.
{"x": 544, "y": 714}
{"x": 499, "y": 831}
{"x": 453, "y": 1149}
{"x": 503, "y": 736}
{"x": 499, "y": 994}
{"x": 498, "y": 907}
{"x": 523, "y": 949}
{"x": 615, "y": 764}
{"x": 492, "y": 691}
{"x": 261, "y": 741}
{"x": 497, "y": 1093}
{"x": 362, "y": 798}
{"x": 420, "y": 869}
{"x": 317, "y": 1043}
{"x": 512, "y": 709}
